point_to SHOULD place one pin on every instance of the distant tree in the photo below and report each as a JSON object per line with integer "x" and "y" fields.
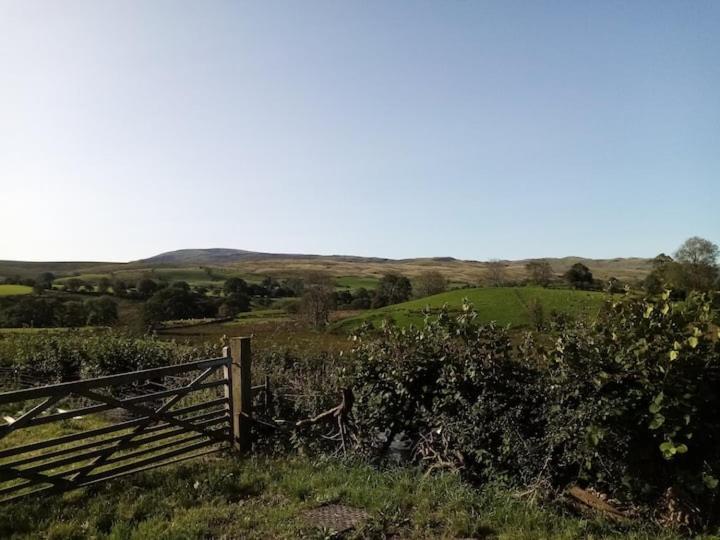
{"x": 537, "y": 314}
{"x": 579, "y": 276}
{"x": 698, "y": 258}
{"x": 74, "y": 284}
{"x": 45, "y": 280}
{"x": 146, "y": 287}
{"x": 318, "y": 299}
{"x": 101, "y": 311}
{"x": 235, "y": 285}
{"x": 430, "y": 282}
{"x": 653, "y": 284}
{"x": 392, "y": 288}
{"x": 32, "y": 311}
{"x": 495, "y": 273}
{"x": 119, "y": 287}
{"x": 104, "y": 285}
{"x": 177, "y": 302}
{"x": 295, "y": 285}
{"x": 362, "y": 299}
{"x": 72, "y": 314}
{"x": 540, "y": 272}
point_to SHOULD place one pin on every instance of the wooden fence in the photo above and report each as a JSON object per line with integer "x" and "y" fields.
{"x": 171, "y": 414}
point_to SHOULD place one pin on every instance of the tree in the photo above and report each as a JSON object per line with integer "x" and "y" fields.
{"x": 72, "y": 314}
{"x": 74, "y": 284}
{"x": 318, "y": 299}
{"x": 104, "y": 285}
{"x": 392, "y": 289}
{"x": 101, "y": 311}
{"x": 45, "y": 280}
{"x": 540, "y": 272}
{"x": 362, "y": 300}
{"x": 146, "y": 287}
{"x": 235, "y": 285}
{"x": 579, "y": 276}
{"x": 496, "y": 273}
{"x": 698, "y": 258}
{"x": 430, "y": 282}
{"x": 119, "y": 287}
{"x": 177, "y": 302}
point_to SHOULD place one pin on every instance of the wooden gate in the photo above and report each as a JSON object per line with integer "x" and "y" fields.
{"x": 168, "y": 414}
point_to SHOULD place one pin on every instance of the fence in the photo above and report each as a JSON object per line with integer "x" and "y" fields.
{"x": 216, "y": 396}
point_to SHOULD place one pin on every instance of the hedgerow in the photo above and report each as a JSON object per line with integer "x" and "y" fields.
{"x": 628, "y": 404}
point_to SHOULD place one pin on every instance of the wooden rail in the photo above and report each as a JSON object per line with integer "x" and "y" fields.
{"x": 159, "y": 431}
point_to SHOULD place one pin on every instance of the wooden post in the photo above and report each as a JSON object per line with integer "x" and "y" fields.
{"x": 239, "y": 392}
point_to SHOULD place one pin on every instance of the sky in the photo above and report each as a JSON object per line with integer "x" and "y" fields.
{"x": 473, "y": 129}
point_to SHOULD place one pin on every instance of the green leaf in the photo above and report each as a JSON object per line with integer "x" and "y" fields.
{"x": 668, "y": 449}
{"x": 681, "y": 449}
{"x": 693, "y": 341}
{"x": 657, "y": 421}
{"x": 710, "y": 481}
{"x": 673, "y": 355}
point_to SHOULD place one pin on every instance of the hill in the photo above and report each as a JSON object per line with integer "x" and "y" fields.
{"x": 504, "y": 305}
{"x": 251, "y": 264}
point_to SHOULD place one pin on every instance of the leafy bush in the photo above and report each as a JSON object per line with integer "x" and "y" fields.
{"x": 57, "y": 358}
{"x": 628, "y": 404}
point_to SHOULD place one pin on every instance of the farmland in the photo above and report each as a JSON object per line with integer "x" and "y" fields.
{"x": 503, "y": 305}
{"x": 14, "y": 290}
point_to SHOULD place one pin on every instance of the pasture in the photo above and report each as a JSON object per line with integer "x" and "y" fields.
{"x": 14, "y": 290}
{"x": 504, "y": 305}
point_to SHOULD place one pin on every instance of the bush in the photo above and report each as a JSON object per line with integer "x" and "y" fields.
{"x": 628, "y": 404}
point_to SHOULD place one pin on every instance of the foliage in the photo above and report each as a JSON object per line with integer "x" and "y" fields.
{"x": 57, "y": 358}
{"x": 628, "y": 403}
{"x": 430, "y": 282}
{"x": 227, "y": 497}
{"x": 318, "y": 299}
{"x": 177, "y": 302}
{"x": 393, "y": 288}
{"x": 540, "y": 272}
{"x": 579, "y": 276}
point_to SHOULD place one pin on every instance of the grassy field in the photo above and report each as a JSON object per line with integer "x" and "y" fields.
{"x": 228, "y": 497}
{"x": 356, "y": 282}
{"x": 12, "y": 290}
{"x": 504, "y": 305}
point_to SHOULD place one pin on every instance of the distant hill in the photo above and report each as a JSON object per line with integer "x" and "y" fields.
{"x": 225, "y": 256}
{"x": 253, "y": 263}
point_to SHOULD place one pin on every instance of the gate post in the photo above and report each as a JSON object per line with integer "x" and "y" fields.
{"x": 239, "y": 392}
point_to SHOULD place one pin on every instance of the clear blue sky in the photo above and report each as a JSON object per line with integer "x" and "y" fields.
{"x": 473, "y": 129}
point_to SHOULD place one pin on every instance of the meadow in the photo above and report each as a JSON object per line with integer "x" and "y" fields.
{"x": 258, "y": 498}
{"x": 14, "y": 290}
{"x": 503, "y": 305}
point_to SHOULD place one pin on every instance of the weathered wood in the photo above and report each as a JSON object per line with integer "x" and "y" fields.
{"x": 65, "y": 439}
{"x": 53, "y": 489}
{"x": 108, "y": 380}
{"x": 241, "y": 392}
{"x": 177, "y": 431}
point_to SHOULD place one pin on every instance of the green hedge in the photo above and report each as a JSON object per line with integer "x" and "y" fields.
{"x": 628, "y": 404}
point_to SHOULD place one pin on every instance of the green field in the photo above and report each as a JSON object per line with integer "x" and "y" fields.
{"x": 504, "y": 305}
{"x": 259, "y": 498}
{"x": 356, "y": 282}
{"x": 11, "y": 290}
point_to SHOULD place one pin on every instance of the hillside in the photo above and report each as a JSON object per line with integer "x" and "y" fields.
{"x": 504, "y": 305}
{"x": 248, "y": 264}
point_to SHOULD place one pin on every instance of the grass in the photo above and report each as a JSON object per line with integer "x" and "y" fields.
{"x": 13, "y": 290}
{"x": 356, "y": 282}
{"x": 265, "y": 498}
{"x": 504, "y": 305}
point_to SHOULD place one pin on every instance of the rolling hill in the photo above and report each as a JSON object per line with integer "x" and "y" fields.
{"x": 249, "y": 264}
{"x": 504, "y": 305}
